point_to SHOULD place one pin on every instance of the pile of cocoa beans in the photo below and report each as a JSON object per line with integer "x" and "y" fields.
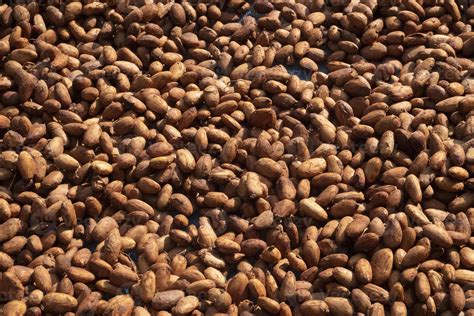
{"x": 232, "y": 157}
